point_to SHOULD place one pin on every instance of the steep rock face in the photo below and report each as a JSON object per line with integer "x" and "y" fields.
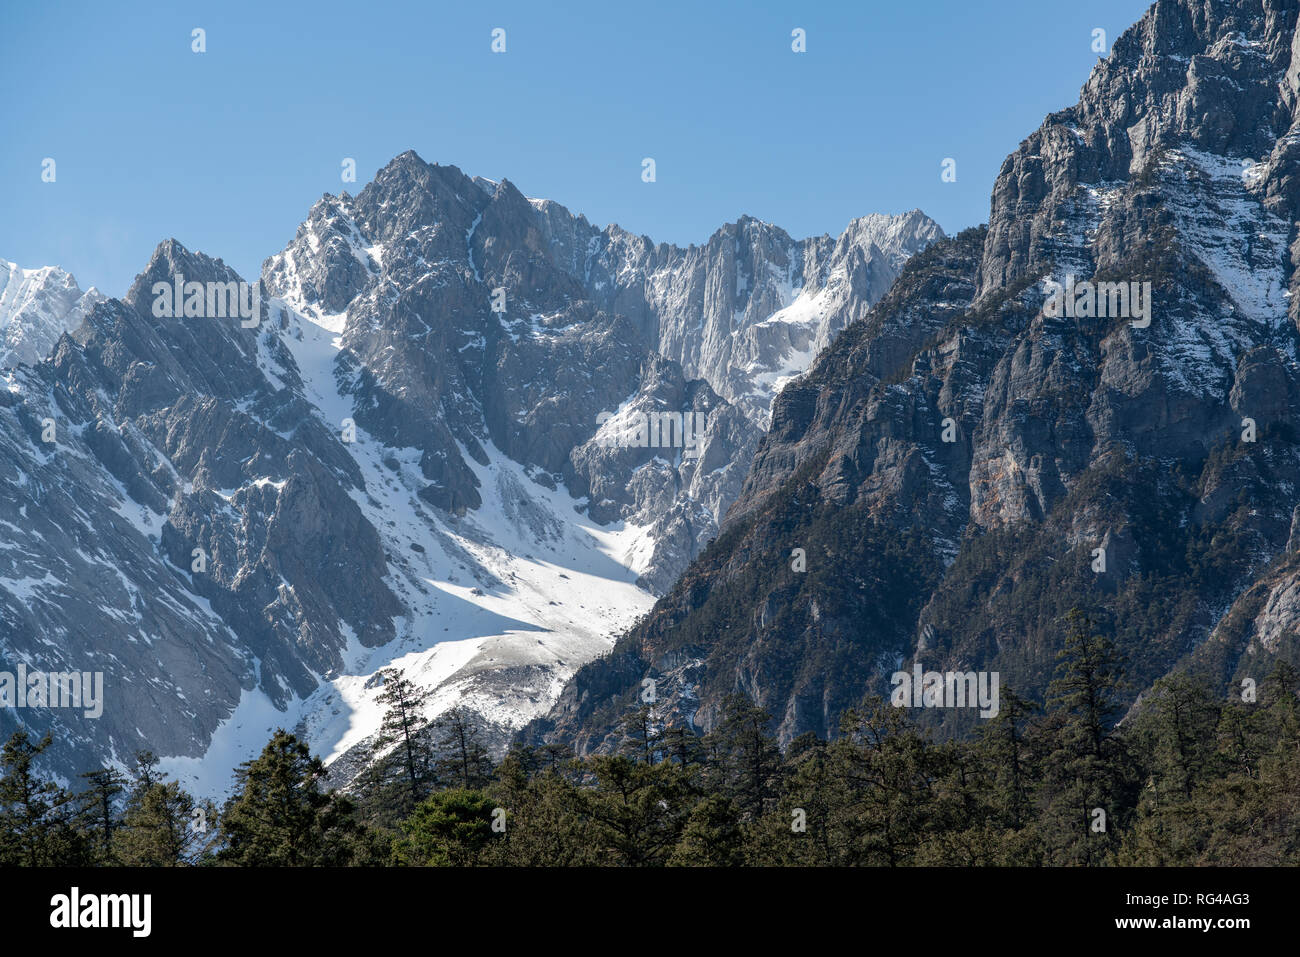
{"x": 164, "y": 437}
{"x": 36, "y": 307}
{"x": 677, "y": 492}
{"x": 986, "y": 446}
{"x": 752, "y": 308}
{"x": 463, "y": 332}
{"x": 470, "y": 315}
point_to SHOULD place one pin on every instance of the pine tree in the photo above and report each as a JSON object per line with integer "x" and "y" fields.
{"x": 712, "y": 835}
{"x": 163, "y": 825}
{"x": 639, "y": 735}
{"x": 448, "y": 829}
{"x": 404, "y": 724}
{"x": 37, "y": 817}
{"x": 1002, "y": 749}
{"x": 1282, "y": 699}
{"x": 145, "y": 771}
{"x": 637, "y": 810}
{"x": 461, "y": 756}
{"x": 750, "y": 761}
{"x": 97, "y": 806}
{"x": 544, "y": 819}
{"x": 1179, "y": 724}
{"x": 1222, "y": 778}
{"x": 554, "y": 756}
{"x": 681, "y": 745}
{"x": 802, "y": 830}
{"x": 882, "y": 771}
{"x": 279, "y": 815}
{"x": 1089, "y": 778}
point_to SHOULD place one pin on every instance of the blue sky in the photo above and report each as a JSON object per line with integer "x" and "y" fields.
{"x": 227, "y": 150}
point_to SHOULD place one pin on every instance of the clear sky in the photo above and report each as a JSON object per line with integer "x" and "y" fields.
{"x": 226, "y": 150}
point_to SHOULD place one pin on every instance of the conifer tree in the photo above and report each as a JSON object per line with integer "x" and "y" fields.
{"x": 1089, "y": 778}
{"x": 279, "y": 815}
{"x": 681, "y": 745}
{"x": 1179, "y": 725}
{"x": 37, "y": 817}
{"x": 637, "y": 810}
{"x": 461, "y": 755}
{"x": 805, "y": 821}
{"x": 404, "y": 723}
{"x": 163, "y": 825}
{"x": 884, "y": 769}
{"x": 448, "y": 829}
{"x": 97, "y": 805}
{"x": 1003, "y": 750}
{"x": 639, "y": 735}
{"x": 750, "y": 761}
{"x": 712, "y": 835}
{"x": 544, "y": 820}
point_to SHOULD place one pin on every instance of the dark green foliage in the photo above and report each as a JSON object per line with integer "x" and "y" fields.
{"x": 448, "y": 829}
{"x": 1087, "y": 780}
{"x": 403, "y": 725}
{"x": 712, "y": 836}
{"x": 461, "y": 757}
{"x": 38, "y": 819}
{"x": 1187, "y": 778}
{"x": 636, "y": 811}
{"x": 279, "y": 815}
{"x": 748, "y": 760}
{"x": 163, "y": 825}
{"x": 97, "y": 805}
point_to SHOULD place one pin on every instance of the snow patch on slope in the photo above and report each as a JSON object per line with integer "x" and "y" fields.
{"x": 503, "y": 604}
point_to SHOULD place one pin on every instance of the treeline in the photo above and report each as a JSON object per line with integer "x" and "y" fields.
{"x": 1191, "y": 779}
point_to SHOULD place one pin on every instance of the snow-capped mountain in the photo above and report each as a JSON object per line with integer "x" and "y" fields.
{"x": 412, "y": 453}
{"x": 749, "y": 310}
{"x": 36, "y": 307}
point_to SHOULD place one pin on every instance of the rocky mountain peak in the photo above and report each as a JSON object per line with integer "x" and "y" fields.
{"x": 36, "y": 307}
{"x": 1208, "y": 76}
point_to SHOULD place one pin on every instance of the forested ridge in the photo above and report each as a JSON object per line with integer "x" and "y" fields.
{"x": 1193, "y": 777}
